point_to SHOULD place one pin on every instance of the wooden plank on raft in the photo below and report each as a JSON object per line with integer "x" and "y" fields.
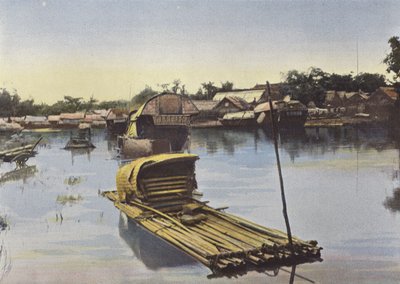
{"x": 160, "y": 188}
{"x": 156, "y": 179}
{"x": 164, "y": 183}
{"x": 166, "y": 192}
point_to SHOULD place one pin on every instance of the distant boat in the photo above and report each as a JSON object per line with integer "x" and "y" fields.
{"x": 82, "y": 140}
{"x": 288, "y": 114}
{"x": 239, "y": 119}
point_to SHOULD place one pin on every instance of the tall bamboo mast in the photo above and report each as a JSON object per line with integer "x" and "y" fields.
{"x": 274, "y": 135}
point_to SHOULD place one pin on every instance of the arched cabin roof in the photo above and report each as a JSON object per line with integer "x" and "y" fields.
{"x": 169, "y": 104}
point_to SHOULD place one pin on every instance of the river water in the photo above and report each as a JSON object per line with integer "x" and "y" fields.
{"x": 340, "y": 190}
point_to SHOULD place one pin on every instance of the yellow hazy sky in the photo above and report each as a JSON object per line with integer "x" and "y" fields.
{"x": 49, "y": 49}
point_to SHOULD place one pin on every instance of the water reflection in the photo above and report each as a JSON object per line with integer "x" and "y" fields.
{"x": 17, "y": 174}
{"x": 5, "y": 261}
{"x": 80, "y": 152}
{"x": 229, "y": 140}
{"x": 393, "y": 203}
{"x": 302, "y": 142}
{"x": 155, "y": 253}
{"x": 151, "y": 250}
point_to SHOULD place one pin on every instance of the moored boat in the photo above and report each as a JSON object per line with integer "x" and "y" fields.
{"x": 288, "y": 114}
{"x": 160, "y": 125}
{"x": 239, "y": 119}
{"x": 82, "y": 140}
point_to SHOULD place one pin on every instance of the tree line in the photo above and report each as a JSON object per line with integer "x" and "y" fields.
{"x": 304, "y": 86}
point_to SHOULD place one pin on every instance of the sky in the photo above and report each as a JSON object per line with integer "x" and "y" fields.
{"x": 113, "y": 49}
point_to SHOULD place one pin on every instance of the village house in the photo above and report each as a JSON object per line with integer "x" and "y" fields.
{"x": 356, "y": 103}
{"x": 381, "y": 102}
{"x": 333, "y": 100}
{"x": 250, "y": 96}
{"x": 53, "y": 120}
{"x": 277, "y": 90}
{"x": 32, "y": 122}
{"x": 206, "y": 110}
{"x": 230, "y": 105}
{"x": 71, "y": 119}
{"x": 349, "y": 103}
{"x": 95, "y": 120}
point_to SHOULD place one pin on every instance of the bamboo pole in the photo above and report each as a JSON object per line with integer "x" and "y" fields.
{"x": 229, "y": 240}
{"x": 274, "y": 134}
{"x": 161, "y": 214}
{"x": 242, "y": 234}
{"x": 197, "y": 239}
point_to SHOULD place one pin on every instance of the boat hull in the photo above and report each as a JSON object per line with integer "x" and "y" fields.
{"x": 283, "y": 119}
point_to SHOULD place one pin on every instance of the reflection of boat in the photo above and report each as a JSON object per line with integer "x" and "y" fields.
{"x": 393, "y": 203}
{"x": 22, "y": 173}
{"x": 80, "y": 152}
{"x": 160, "y": 125}
{"x": 82, "y": 140}
{"x": 239, "y": 119}
{"x": 151, "y": 250}
{"x": 288, "y": 114}
{"x": 157, "y": 192}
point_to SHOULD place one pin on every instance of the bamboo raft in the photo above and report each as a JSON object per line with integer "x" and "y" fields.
{"x": 157, "y": 192}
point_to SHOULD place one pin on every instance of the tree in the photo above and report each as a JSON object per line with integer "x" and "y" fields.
{"x": 209, "y": 90}
{"x": 226, "y": 86}
{"x": 368, "y": 82}
{"x": 143, "y": 96}
{"x": 198, "y": 95}
{"x": 72, "y": 104}
{"x": 8, "y": 102}
{"x": 176, "y": 85}
{"x": 341, "y": 83}
{"x": 392, "y": 60}
{"x": 307, "y": 86}
{"x": 27, "y": 107}
{"x": 112, "y": 104}
{"x": 90, "y": 104}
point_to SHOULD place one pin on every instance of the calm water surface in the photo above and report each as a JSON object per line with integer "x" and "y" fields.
{"x": 340, "y": 190}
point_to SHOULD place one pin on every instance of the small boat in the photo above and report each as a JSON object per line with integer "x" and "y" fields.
{"x": 82, "y": 140}
{"x": 20, "y": 155}
{"x": 239, "y": 119}
{"x": 288, "y": 114}
{"x": 157, "y": 193}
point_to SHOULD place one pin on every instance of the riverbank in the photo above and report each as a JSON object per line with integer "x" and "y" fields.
{"x": 310, "y": 123}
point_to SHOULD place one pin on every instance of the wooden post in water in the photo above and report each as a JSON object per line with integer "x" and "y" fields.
{"x": 274, "y": 135}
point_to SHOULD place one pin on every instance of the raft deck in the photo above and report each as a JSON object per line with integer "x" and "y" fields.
{"x": 221, "y": 241}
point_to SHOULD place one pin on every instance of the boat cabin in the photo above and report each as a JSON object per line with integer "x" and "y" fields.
{"x": 165, "y": 182}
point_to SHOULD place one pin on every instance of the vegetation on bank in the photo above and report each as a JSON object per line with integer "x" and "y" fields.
{"x": 304, "y": 86}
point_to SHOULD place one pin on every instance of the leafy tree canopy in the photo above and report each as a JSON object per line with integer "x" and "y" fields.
{"x": 143, "y": 96}
{"x": 392, "y": 60}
